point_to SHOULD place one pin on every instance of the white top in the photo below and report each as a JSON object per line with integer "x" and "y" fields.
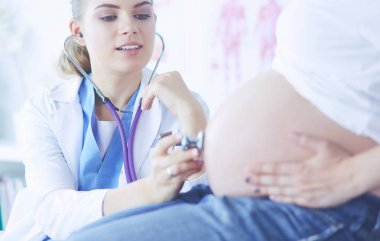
{"x": 330, "y": 52}
{"x": 103, "y": 134}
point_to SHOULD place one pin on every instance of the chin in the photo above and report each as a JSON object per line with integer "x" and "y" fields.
{"x": 128, "y": 68}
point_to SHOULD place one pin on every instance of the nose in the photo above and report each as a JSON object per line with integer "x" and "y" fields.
{"x": 128, "y": 27}
{"x": 128, "y": 31}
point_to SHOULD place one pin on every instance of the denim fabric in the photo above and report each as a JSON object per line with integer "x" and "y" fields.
{"x": 199, "y": 215}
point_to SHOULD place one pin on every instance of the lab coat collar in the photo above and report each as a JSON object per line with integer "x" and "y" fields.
{"x": 147, "y": 129}
{"x": 67, "y": 92}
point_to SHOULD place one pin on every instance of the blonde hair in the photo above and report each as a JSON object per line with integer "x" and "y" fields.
{"x": 78, "y": 52}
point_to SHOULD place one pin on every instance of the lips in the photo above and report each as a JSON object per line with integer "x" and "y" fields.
{"x": 129, "y": 46}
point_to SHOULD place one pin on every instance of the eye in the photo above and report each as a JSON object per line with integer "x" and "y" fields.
{"x": 142, "y": 16}
{"x": 108, "y": 18}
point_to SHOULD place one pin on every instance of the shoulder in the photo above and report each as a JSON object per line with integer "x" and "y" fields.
{"x": 48, "y": 99}
{"x": 313, "y": 14}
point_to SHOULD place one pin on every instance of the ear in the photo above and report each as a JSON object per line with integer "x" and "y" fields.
{"x": 75, "y": 30}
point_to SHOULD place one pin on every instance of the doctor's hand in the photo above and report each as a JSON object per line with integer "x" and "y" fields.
{"x": 324, "y": 180}
{"x": 172, "y": 91}
{"x": 170, "y": 169}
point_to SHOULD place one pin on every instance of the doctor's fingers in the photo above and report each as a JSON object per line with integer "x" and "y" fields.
{"x": 169, "y": 88}
{"x": 169, "y": 163}
{"x": 154, "y": 89}
{"x": 182, "y": 171}
{"x": 170, "y": 81}
{"x": 178, "y": 156}
{"x": 174, "y": 158}
{"x": 165, "y": 144}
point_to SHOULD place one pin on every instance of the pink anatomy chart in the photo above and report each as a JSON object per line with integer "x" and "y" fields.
{"x": 231, "y": 27}
{"x": 266, "y": 30}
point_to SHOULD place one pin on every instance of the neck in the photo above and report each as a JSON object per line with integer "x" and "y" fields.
{"x": 118, "y": 88}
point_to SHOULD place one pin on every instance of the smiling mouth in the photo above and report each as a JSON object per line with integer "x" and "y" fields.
{"x": 129, "y": 47}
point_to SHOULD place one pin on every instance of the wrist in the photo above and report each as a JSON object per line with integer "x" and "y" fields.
{"x": 192, "y": 118}
{"x": 359, "y": 179}
{"x": 150, "y": 191}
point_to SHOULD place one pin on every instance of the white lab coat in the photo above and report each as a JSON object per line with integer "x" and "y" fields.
{"x": 53, "y": 139}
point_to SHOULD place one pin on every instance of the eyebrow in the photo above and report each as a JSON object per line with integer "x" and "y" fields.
{"x": 141, "y": 4}
{"x": 107, "y": 5}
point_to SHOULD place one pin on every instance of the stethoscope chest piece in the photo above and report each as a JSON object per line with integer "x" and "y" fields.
{"x": 188, "y": 142}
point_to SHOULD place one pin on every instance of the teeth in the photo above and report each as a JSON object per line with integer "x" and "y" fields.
{"x": 129, "y": 47}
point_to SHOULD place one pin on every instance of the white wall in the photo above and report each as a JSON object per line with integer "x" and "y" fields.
{"x": 197, "y": 33}
{"x": 31, "y": 34}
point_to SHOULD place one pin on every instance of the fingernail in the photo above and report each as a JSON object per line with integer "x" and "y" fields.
{"x": 247, "y": 180}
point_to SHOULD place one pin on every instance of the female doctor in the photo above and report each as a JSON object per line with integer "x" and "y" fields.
{"x": 74, "y": 156}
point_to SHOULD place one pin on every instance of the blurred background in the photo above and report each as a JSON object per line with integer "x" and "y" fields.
{"x": 217, "y": 45}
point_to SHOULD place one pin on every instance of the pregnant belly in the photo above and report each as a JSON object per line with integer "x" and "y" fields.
{"x": 254, "y": 125}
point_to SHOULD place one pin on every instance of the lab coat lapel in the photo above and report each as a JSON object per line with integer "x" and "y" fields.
{"x": 67, "y": 124}
{"x": 146, "y": 133}
{"x": 148, "y": 126}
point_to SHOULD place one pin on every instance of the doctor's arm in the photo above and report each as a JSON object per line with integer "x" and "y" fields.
{"x": 173, "y": 92}
{"x": 190, "y": 109}
{"x": 329, "y": 178}
{"x": 159, "y": 187}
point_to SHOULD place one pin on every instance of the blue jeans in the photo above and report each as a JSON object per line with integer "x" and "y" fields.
{"x": 200, "y": 216}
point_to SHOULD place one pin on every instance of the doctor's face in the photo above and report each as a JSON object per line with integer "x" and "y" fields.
{"x": 119, "y": 34}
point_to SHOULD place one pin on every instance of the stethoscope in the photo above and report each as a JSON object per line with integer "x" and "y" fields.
{"x": 127, "y": 145}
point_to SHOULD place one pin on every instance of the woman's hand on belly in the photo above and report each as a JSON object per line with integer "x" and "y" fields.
{"x": 326, "y": 179}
